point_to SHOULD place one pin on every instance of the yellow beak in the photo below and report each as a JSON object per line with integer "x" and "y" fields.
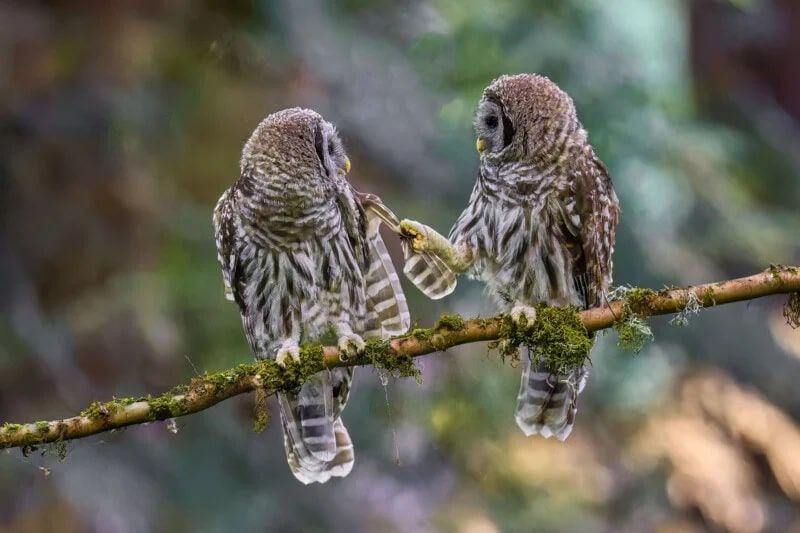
{"x": 346, "y": 165}
{"x": 480, "y": 145}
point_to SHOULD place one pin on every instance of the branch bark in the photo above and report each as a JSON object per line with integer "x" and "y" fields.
{"x": 205, "y": 391}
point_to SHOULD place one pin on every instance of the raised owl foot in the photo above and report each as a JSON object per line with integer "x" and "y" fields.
{"x": 289, "y": 349}
{"x": 417, "y": 234}
{"x": 523, "y": 315}
{"x": 350, "y": 344}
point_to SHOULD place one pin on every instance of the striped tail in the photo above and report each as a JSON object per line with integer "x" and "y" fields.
{"x": 428, "y": 273}
{"x": 547, "y": 403}
{"x": 316, "y": 441}
{"x": 387, "y": 309}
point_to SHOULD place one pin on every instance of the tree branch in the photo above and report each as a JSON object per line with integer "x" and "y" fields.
{"x": 394, "y": 356}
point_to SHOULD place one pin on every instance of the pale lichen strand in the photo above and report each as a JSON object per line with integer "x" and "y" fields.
{"x": 633, "y": 330}
{"x": 692, "y": 308}
{"x": 633, "y": 333}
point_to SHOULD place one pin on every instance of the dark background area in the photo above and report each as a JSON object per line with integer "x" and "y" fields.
{"x": 122, "y": 122}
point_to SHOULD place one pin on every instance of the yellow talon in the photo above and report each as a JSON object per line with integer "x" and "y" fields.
{"x": 417, "y": 237}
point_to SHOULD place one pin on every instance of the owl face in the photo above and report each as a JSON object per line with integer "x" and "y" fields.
{"x": 521, "y": 117}
{"x": 493, "y": 128}
{"x": 330, "y": 151}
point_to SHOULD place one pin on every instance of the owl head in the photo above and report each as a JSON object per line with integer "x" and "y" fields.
{"x": 296, "y": 142}
{"x": 523, "y": 117}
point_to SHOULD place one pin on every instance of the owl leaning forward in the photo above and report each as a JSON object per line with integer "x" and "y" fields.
{"x": 301, "y": 254}
{"x": 539, "y": 228}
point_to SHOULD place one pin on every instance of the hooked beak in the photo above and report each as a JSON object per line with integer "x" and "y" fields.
{"x": 480, "y": 145}
{"x": 342, "y": 172}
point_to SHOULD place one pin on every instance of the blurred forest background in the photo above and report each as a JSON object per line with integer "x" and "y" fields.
{"x": 122, "y": 122}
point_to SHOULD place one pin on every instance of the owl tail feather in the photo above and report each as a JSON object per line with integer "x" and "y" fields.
{"x": 547, "y": 403}
{"x": 316, "y": 441}
{"x": 306, "y": 468}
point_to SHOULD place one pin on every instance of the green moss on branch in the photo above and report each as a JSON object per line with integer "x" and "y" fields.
{"x": 638, "y": 300}
{"x": 632, "y": 327}
{"x": 450, "y": 322}
{"x": 379, "y": 354}
{"x": 558, "y": 338}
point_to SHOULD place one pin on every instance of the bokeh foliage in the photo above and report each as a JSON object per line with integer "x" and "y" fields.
{"x": 122, "y": 123}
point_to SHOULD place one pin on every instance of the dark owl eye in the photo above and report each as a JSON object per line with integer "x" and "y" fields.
{"x": 491, "y": 122}
{"x": 508, "y": 130}
{"x": 330, "y": 148}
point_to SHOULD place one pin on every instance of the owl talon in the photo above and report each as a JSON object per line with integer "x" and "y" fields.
{"x": 417, "y": 234}
{"x": 523, "y": 316}
{"x": 288, "y": 350}
{"x": 350, "y": 344}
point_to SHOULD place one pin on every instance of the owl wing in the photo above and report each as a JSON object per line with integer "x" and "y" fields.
{"x": 596, "y": 211}
{"x": 426, "y": 271}
{"x": 387, "y": 309}
{"x": 225, "y": 225}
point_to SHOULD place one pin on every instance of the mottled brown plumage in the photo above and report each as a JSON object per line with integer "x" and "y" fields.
{"x": 302, "y": 256}
{"x": 539, "y": 227}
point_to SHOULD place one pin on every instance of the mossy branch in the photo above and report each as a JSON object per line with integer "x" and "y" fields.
{"x": 396, "y": 356}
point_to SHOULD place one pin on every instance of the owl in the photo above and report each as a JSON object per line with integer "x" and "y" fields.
{"x": 302, "y": 256}
{"x": 539, "y": 228}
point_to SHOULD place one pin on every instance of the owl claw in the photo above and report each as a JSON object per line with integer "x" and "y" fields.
{"x": 417, "y": 234}
{"x": 289, "y": 349}
{"x": 523, "y": 315}
{"x": 351, "y": 344}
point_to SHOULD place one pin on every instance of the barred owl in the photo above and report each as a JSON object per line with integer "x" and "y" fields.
{"x": 539, "y": 228}
{"x": 301, "y": 253}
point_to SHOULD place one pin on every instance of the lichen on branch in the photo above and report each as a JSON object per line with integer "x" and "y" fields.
{"x": 633, "y": 329}
{"x": 557, "y": 338}
{"x": 560, "y": 337}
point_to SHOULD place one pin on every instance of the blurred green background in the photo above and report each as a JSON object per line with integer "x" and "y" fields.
{"x": 122, "y": 122}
